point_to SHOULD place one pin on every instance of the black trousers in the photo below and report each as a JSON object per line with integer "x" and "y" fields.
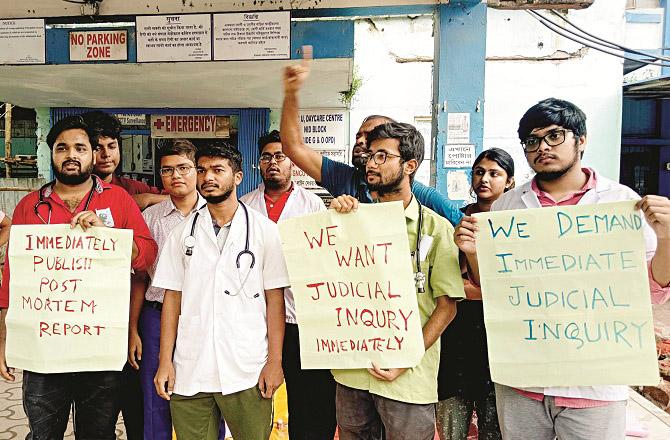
{"x": 132, "y": 403}
{"x": 95, "y": 398}
{"x": 311, "y": 394}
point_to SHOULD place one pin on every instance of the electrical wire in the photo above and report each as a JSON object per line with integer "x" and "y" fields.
{"x": 606, "y": 42}
{"x": 576, "y": 38}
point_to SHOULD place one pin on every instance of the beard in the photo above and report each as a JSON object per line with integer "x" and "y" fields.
{"x": 550, "y": 176}
{"x": 218, "y": 198}
{"x": 72, "y": 179}
{"x": 278, "y": 181}
{"x": 383, "y": 188}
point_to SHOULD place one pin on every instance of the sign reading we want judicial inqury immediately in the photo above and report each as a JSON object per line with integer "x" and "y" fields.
{"x": 351, "y": 277}
{"x": 69, "y": 295}
{"x": 566, "y": 296}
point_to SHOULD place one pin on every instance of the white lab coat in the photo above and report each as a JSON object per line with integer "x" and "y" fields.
{"x": 606, "y": 191}
{"x": 300, "y": 202}
{"x": 222, "y": 342}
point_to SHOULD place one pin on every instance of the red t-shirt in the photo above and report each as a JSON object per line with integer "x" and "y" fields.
{"x": 124, "y": 214}
{"x": 275, "y": 208}
{"x": 133, "y": 186}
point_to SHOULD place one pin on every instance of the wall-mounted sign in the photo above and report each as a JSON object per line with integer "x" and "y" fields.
{"x": 131, "y": 118}
{"x": 252, "y": 36}
{"x": 174, "y": 38}
{"x": 99, "y": 45}
{"x": 22, "y": 41}
{"x": 459, "y": 155}
{"x": 458, "y": 128}
{"x": 190, "y": 126}
{"x": 324, "y": 129}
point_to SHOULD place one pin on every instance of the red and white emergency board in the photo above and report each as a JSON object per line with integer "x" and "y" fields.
{"x": 99, "y": 45}
{"x": 190, "y": 126}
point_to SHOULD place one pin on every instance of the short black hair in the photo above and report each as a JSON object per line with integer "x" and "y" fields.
{"x": 268, "y": 138}
{"x": 103, "y": 125}
{"x": 74, "y": 122}
{"x": 411, "y": 140}
{"x": 224, "y": 150}
{"x": 177, "y": 147}
{"x": 553, "y": 111}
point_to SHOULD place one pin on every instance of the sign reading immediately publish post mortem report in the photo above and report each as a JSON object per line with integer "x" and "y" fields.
{"x": 69, "y": 295}
{"x": 252, "y": 36}
{"x": 174, "y": 38}
{"x": 351, "y": 276}
{"x": 566, "y": 296}
{"x": 22, "y": 41}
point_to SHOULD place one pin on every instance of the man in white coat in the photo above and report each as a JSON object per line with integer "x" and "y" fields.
{"x": 222, "y": 323}
{"x": 553, "y": 136}
{"x": 311, "y": 414}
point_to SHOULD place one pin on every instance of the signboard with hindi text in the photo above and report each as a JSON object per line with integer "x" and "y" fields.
{"x": 174, "y": 38}
{"x": 69, "y": 295}
{"x": 566, "y": 296}
{"x": 252, "y": 36}
{"x": 355, "y": 300}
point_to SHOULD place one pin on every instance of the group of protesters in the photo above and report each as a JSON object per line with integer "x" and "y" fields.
{"x": 212, "y": 324}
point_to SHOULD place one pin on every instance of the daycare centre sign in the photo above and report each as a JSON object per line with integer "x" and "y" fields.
{"x": 69, "y": 298}
{"x": 351, "y": 276}
{"x": 566, "y": 296}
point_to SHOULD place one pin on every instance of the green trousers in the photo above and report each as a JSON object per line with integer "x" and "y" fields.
{"x": 247, "y": 413}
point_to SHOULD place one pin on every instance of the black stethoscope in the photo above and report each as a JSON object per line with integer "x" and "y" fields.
{"x": 189, "y": 242}
{"x": 419, "y": 277}
{"x": 42, "y": 201}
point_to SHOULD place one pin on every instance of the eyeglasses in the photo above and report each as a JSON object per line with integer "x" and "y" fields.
{"x": 379, "y": 157}
{"x": 553, "y": 138}
{"x": 182, "y": 170}
{"x": 267, "y": 157}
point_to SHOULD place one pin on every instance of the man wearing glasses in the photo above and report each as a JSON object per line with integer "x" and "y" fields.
{"x": 553, "y": 136}
{"x": 401, "y": 401}
{"x": 177, "y": 170}
{"x": 312, "y": 414}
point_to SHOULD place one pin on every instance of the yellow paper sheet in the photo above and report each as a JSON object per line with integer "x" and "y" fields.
{"x": 351, "y": 276}
{"x": 566, "y": 296}
{"x": 69, "y": 295}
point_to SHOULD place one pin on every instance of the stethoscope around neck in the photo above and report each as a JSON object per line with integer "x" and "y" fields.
{"x": 189, "y": 242}
{"x": 419, "y": 277}
{"x": 43, "y": 201}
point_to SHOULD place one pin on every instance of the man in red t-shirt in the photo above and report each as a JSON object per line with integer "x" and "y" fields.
{"x": 107, "y": 130}
{"x": 78, "y": 198}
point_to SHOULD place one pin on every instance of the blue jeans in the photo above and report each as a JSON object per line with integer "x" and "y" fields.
{"x": 94, "y": 396}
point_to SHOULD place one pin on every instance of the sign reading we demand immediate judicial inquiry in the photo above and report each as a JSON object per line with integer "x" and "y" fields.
{"x": 69, "y": 298}
{"x": 566, "y": 296}
{"x": 351, "y": 277}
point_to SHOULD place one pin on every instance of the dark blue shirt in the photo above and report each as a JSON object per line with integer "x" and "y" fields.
{"x": 339, "y": 178}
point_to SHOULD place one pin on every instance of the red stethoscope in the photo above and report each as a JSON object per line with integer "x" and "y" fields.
{"x": 43, "y": 201}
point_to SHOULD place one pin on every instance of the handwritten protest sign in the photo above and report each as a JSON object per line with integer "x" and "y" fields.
{"x": 69, "y": 295}
{"x": 566, "y": 296}
{"x": 351, "y": 276}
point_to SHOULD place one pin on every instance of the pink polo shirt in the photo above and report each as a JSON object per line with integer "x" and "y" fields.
{"x": 658, "y": 292}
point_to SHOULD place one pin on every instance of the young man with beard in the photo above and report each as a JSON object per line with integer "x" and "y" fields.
{"x": 78, "y": 198}
{"x": 339, "y": 178}
{"x": 311, "y": 414}
{"x": 553, "y": 135}
{"x": 107, "y": 130}
{"x": 224, "y": 275}
{"x": 402, "y": 400}
{"x": 177, "y": 170}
